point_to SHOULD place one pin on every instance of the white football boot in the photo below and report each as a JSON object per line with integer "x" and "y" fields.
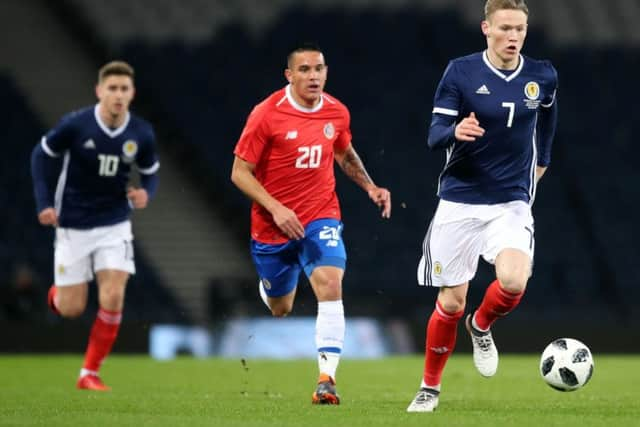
{"x": 425, "y": 401}
{"x": 485, "y": 353}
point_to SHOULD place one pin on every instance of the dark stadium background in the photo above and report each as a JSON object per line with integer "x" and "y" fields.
{"x": 202, "y": 65}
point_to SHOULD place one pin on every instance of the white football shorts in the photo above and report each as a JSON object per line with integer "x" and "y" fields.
{"x": 460, "y": 233}
{"x": 80, "y": 253}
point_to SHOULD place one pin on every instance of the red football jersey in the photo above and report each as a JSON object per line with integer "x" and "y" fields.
{"x": 292, "y": 148}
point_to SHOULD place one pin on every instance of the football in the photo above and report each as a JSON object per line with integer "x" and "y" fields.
{"x": 566, "y": 364}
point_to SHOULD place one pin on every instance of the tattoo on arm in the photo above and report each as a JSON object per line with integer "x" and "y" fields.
{"x": 353, "y": 167}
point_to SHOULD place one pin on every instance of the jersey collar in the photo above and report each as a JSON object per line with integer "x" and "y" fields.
{"x": 111, "y": 132}
{"x": 299, "y": 107}
{"x": 485, "y": 58}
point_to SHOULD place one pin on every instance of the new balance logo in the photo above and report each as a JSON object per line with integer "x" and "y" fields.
{"x": 292, "y": 134}
{"x": 482, "y": 90}
{"x": 331, "y": 235}
{"x": 89, "y": 144}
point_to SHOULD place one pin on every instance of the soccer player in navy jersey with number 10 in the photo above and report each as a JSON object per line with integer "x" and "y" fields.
{"x": 91, "y": 205}
{"x": 495, "y": 115}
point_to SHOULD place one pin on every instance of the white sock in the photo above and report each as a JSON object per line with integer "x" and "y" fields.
{"x": 330, "y": 327}
{"x": 263, "y": 294}
{"x": 434, "y": 387}
{"x": 84, "y": 372}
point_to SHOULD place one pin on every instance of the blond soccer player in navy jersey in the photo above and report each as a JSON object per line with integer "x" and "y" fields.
{"x": 495, "y": 115}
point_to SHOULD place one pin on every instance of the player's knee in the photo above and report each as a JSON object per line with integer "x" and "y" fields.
{"x": 453, "y": 305}
{"x": 331, "y": 290}
{"x": 514, "y": 283}
{"x": 513, "y": 270}
{"x": 281, "y": 310}
{"x": 71, "y": 309}
{"x": 451, "y": 300}
{"x": 112, "y": 299}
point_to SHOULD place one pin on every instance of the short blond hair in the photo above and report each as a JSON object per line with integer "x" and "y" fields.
{"x": 494, "y": 5}
{"x": 115, "y": 68}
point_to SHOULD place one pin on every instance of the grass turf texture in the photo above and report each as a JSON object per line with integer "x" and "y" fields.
{"x": 40, "y": 390}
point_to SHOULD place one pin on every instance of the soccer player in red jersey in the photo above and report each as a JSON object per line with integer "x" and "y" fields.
{"x": 284, "y": 163}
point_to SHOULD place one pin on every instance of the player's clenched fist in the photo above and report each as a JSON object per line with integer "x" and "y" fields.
{"x": 469, "y": 129}
{"x": 48, "y": 216}
{"x": 138, "y": 197}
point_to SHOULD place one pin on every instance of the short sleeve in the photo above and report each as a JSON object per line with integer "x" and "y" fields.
{"x": 551, "y": 85}
{"x": 59, "y": 138}
{"x": 254, "y": 137}
{"x": 447, "y": 99}
{"x": 344, "y": 138}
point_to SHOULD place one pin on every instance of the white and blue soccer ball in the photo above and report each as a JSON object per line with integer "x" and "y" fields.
{"x": 566, "y": 364}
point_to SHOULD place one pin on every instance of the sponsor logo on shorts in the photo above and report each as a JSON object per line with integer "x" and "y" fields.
{"x": 331, "y": 235}
{"x": 61, "y": 269}
{"x": 437, "y": 268}
{"x": 266, "y": 284}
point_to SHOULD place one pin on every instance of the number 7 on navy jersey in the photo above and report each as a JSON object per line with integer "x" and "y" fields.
{"x": 512, "y": 108}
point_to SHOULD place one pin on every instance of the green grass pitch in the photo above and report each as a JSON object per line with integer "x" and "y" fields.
{"x": 40, "y": 390}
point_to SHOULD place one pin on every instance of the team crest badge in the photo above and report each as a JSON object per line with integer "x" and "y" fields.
{"x": 130, "y": 148}
{"x": 532, "y": 90}
{"x": 329, "y": 130}
{"x": 437, "y": 268}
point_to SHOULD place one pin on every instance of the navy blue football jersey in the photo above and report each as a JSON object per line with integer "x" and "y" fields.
{"x": 511, "y": 106}
{"x": 97, "y": 160}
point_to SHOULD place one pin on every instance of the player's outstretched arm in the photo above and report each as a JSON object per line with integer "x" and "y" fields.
{"x": 352, "y": 166}
{"x": 242, "y": 175}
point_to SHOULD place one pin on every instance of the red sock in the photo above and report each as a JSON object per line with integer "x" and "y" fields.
{"x": 103, "y": 335}
{"x": 496, "y": 303}
{"x": 441, "y": 339}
